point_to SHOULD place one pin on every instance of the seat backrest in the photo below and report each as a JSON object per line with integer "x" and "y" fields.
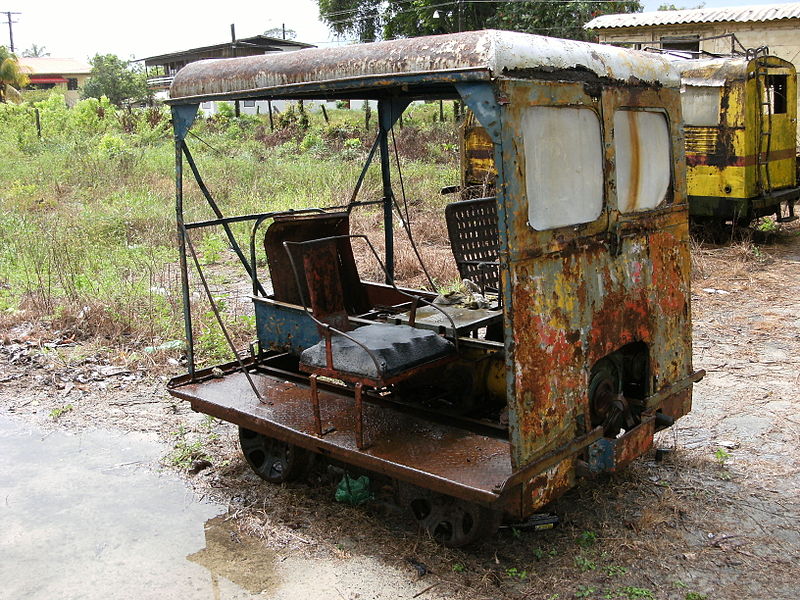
{"x": 322, "y": 262}
{"x": 302, "y": 228}
{"x": 475, "y": 240}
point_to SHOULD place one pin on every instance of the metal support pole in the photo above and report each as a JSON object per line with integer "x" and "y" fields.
{"x": 388, "y": 195}
{"x": 187, "y": 309}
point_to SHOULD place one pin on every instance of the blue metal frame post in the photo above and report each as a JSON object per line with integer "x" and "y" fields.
{"x": 384, "y": 126}
{"x": 182, "y": 118}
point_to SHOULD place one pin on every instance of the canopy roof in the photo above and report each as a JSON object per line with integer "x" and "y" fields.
{"x": 424, "y": 63}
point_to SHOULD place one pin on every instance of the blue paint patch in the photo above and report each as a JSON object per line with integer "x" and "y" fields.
{"x": 284, "y": 328}
{"x": 602, "y": 455}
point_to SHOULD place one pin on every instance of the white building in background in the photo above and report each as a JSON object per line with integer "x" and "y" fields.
{"x": 66, "y": 74}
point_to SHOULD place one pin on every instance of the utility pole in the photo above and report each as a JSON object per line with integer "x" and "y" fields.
{"x": 10, "y": 22}
{"x": 236, "y": 107}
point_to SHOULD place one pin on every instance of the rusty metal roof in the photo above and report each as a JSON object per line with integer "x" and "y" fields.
{"x": 431, "y": 60}
{"x": 738, "y": 14}
{"x": 716, "y": 72}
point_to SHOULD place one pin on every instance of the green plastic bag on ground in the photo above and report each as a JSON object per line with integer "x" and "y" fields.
{"x": 353, "y": 491}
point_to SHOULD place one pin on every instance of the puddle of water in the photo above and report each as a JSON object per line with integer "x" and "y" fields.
{"x": 87, "y": 516}
{"x": 82, "y": 516}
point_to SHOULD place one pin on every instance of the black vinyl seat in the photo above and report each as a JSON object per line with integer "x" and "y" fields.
{"x": 396, "y": 347}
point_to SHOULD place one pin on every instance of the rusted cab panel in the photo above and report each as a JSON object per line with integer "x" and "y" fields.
{"x": 580, "y": 292}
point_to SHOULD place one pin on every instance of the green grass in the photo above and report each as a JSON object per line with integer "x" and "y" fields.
{"x": 87, "y": 217}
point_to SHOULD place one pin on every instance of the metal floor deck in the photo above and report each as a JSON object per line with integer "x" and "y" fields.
{"x": 442, "y": 457}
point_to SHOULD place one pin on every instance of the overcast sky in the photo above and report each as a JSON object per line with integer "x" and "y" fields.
{"x": 82, "y": 28}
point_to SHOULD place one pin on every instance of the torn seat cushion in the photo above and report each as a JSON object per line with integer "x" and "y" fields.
{"x": 396, "y": 347}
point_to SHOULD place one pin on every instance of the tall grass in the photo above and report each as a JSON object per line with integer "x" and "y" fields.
{"x": 87, "y": 222}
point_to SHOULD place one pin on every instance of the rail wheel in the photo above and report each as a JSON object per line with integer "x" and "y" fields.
{"x": 273, "y": 460}
{"x": 451, "y": 521}
{"x": 608, "y": 405}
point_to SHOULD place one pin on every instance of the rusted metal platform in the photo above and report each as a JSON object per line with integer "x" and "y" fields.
{"x": 438, "y": 456}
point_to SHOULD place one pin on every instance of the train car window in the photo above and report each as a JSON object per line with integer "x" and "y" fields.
{"x": 642, "y": 147}
{"x": 700, "y": 105}
{"x": 776, "y": 94}
{"x": 563, "y": 166}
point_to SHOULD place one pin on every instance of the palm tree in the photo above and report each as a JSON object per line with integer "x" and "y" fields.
{"x": 35, "y": 52}
{"x": 11, "y": 77}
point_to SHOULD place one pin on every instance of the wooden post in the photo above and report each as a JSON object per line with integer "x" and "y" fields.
{"x": 441, "y": 111}
{"x": 38, "y": 123}
{"x": 325, "y": 113}
{"x": 269, "y": 107}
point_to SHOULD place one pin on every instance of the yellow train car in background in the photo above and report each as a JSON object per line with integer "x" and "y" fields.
{"x": 740, "y": 127}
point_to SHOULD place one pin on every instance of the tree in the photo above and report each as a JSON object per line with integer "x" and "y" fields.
{"x": 277, "y": 32}
{"x": 11, "y": 77}
{"x": 557, "y": 19}
{"x": 35, "y": 52}
{"x": 115, "y": 79}
{"x": 369, "y": 20}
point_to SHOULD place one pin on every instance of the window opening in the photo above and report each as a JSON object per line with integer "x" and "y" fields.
{"x": 776, "y": 94}
{"x": 685, "y": 43}
{"x": 642, "y": 148}
{"x": 563, "y": 166}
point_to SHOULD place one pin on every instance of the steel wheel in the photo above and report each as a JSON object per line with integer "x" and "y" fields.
{"x": 453, "y": 522}
{"x": 273, "y": 460}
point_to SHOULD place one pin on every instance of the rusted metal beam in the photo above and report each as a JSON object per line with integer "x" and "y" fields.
{"x": 549, "y": 460}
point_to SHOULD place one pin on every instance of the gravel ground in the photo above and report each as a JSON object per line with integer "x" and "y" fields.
{"x": 717, "y": 519}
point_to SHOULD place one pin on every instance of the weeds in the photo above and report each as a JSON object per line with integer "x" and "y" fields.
{"x": 185, "y": 452}
{"x": 517, "y": 574}
{"x": 56, "y": 413}
{"x": 587, "y": 539}
{"x": 585, "y": 564}
{"x": 722, "y": 456}
{"x": 87, "y": 223}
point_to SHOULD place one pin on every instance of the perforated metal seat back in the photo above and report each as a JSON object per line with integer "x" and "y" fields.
{"x": 474, "y": 240}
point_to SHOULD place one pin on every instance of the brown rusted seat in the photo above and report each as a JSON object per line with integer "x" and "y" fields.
{"x": 377, "y": 354}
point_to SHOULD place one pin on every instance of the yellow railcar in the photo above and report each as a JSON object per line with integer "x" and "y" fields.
{"x": 740, "y": 127}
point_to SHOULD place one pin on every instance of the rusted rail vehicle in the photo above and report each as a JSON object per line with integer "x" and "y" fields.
{"x": 582, "y": 348}
{"x": 740, "y": 116}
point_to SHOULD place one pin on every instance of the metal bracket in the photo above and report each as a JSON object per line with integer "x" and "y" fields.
{"x": 394, "y": 108}
{"x": 183, "y": 116}
{"x": 481, "y": 100}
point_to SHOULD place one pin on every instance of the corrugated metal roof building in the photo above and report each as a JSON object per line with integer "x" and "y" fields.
{"x": 68, "y": 74}
{"x": 731, "y": 14}
{"x": 708, "y": 30}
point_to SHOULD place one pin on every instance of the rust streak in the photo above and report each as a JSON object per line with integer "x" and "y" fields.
{"x": 635, "y": 175}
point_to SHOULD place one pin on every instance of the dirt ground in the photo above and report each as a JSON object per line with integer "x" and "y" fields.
{"x": 718, "y": 517}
